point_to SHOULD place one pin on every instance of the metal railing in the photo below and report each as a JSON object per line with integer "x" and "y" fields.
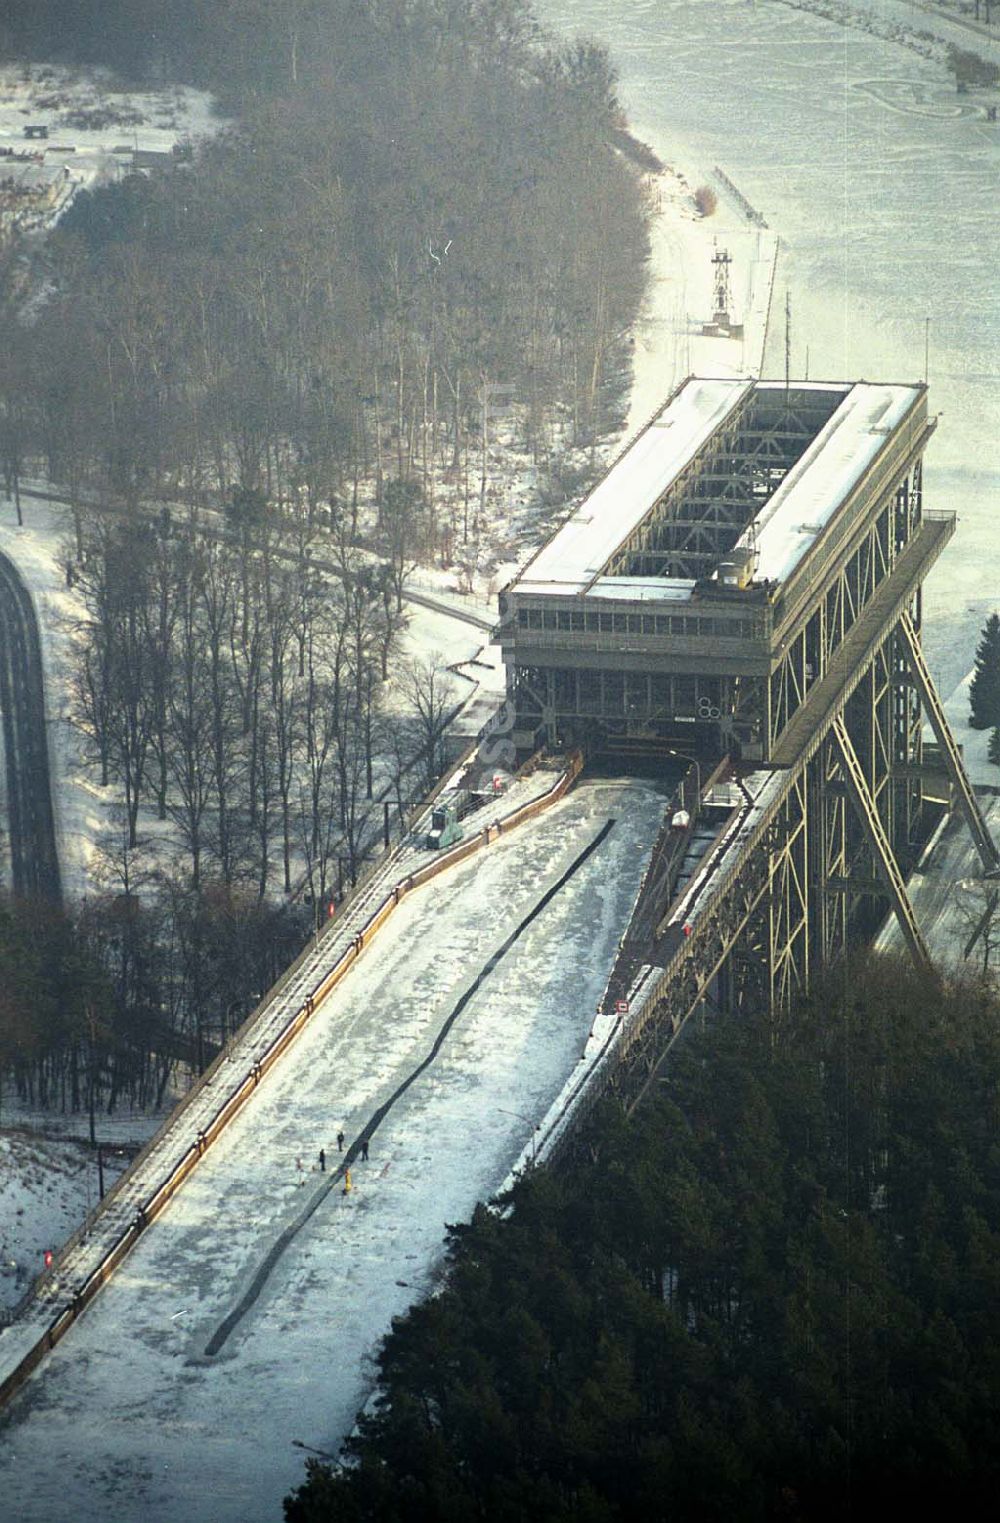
{"x": 71, "y": 1303}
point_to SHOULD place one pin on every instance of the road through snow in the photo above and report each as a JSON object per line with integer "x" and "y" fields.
{"x": 129, "y": 1418}
{"x": 34, "y": 860}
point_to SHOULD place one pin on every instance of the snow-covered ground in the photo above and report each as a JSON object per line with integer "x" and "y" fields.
{"x": 47, "y": 1185}
{"x": 669, "y": 342}
{"x": 948, "y": 894}
{"x": 974, "y": 743}
{"x": 129, "y": 1418}
{"x": 93, "y": 127}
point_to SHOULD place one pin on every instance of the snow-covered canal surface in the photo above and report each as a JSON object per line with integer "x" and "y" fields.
{"x": 129, "y": 1418}
{"x": 881, "y": 183}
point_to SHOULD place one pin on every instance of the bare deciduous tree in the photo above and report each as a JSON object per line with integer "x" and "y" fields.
{"x": 429, "y": 689}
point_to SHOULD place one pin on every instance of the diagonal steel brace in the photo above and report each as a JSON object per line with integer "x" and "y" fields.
{"x": 885, "y": 861}
{"x": 988, "y": 854}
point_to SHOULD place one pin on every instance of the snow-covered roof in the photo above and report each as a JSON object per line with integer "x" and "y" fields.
{"x": 574, "y": 560}
{"x": 819, "y": 482}
{"x": 664, "y": 589}
{"x": 583, "y": 546}
{"x": 629, "y": 589}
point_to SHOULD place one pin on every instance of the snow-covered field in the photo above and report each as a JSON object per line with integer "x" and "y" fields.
{"x": 49, "y": 1183}
{"x": 129, "y": 1418}
{"x": 669, "y": 343}
{"x": 93, "y": 128}
{"x": 948, "y": 893}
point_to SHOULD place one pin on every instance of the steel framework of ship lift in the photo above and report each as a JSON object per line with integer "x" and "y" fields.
{"x": 712, "y": 501}
{"x": 828, "y": 691}
{"x": 820, "y": 861}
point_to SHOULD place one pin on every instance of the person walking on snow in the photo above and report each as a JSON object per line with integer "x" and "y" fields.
{"x": 364, "y": 1150}
{"x": 322, "y": 1161}
{"x": 340, "y": 1142}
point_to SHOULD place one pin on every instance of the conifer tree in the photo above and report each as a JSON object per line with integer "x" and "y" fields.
{"x": 984, "y": 693}
{"x": 664, "y": 1315}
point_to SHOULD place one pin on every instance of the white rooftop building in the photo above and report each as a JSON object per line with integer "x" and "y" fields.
{"x": 659, "y": 613}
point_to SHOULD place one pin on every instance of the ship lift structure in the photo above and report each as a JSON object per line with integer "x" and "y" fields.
{"x": 743, "y": 588}
{"x": 736, "y": 605}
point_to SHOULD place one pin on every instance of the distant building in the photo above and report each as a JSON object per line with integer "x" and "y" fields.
{"x": 153, "y": 160}
{"x": 39, "y": 185}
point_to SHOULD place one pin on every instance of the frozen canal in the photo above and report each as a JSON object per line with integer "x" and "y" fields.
{"x": 129, "y": 1419}
{"x": 881, "y": 183}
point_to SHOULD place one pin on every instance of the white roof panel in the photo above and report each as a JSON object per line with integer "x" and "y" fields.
{"x": 831, "y": 466}
{"x": 574, "y": 560}
{"x": 618, "y": 503}
{"x": 637, "y": 589}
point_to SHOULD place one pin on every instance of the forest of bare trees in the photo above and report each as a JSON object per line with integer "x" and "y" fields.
{"x": 330, "y": 296}
{"x": 269, "y": 384}
{"x": 234, "y": 690}
{"x": 112, "y": 1002}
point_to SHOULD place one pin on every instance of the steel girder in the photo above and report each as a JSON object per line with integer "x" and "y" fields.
{"x": 935, "y": 713}
{"x": 708, "y": 507}
{"x": 808, "y": 653}
{"x": 885, "y": 858}
{"x": 829, "y": 842}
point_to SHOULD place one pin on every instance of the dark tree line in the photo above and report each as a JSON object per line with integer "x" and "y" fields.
{"x": 984, "y": 690}
{"x": 770, "y": 1295}
{"x": 112, "y": 1002}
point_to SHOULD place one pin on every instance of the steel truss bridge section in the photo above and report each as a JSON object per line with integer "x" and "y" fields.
{"x": 885, "y": 861}
{"x": 968, "y": 802}
{"x": 806, "y": 522}
{"x": 764, "y": 607}
{"x": 815, "y": 852}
